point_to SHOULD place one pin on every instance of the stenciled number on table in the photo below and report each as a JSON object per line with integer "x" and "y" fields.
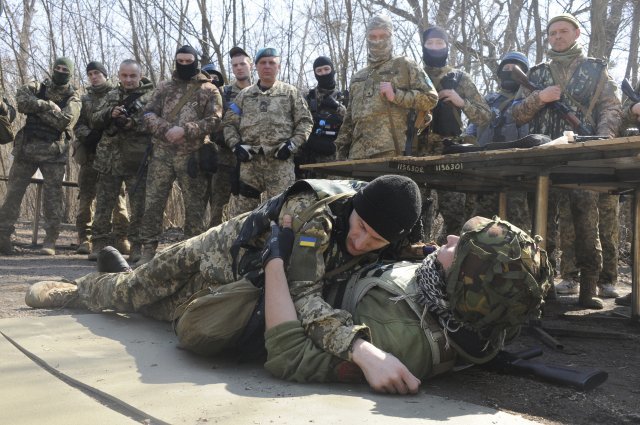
{"x": 453, "y": 166}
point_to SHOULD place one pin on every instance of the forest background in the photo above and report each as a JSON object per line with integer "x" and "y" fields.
{"x": 34, "y": 32}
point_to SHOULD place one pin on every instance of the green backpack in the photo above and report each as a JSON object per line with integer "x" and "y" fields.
{"x": 498, "y": 278}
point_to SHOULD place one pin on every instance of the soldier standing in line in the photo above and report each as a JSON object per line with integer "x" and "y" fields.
{"x": 456, "y": 93}
{"x": 120, "y": 155}
{"x": 383, "y": 97}
{"x": 585, "y": 85}
{"x": 7, "y": 116}
{"x": 327, "y": 106}
{"x": 502, "y": 128}
{"x": 180, "y": 115}
{"x": 52, "y": 108}
{"x": 86, "y": 142}
{"x": 265, "y": 125}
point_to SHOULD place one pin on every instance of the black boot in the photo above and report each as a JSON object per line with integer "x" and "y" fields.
{"x": 111, "y": 261}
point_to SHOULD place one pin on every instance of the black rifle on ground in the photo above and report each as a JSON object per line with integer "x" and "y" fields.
{"x": 560, "y": 108}
{"x": 519, "y": 364}
{"x": 629, "y": 91}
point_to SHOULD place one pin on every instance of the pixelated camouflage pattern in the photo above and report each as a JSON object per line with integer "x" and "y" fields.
{"x": 580, "y": 79}
{"x": 90, "y": 101}
{"x": 198, "y": 117}
{"x": 630, "y": 119}
{"x": 7, "y": 115}
{"x": 159, "y": 286}
{"x": 498, "y": 278}
{"x": 371, "y": 122}
{"x": 268, "y": 119}
{"x": 518, "y": 213}
{"x": 47, "y": 133}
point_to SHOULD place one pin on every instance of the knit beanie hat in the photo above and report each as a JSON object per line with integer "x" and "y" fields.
{"x": 390, "y": 204}
{"x": 64, "y": 61}
{"x": 98, "y": 66}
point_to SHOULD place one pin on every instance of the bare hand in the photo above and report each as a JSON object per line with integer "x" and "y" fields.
{"x": 117, "y": 111}
{"x": 636, "y": 110}
{"x": 386, "y": 90}
{"x": 175, "y": 134}
{"x": 54, "y": 107}
{"x": 550, "y": 94}
{"x": 383, "y": 371}
{"x": 451, "y": 96}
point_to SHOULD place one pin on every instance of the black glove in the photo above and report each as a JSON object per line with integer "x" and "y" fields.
{"x": 121, "y": 121}
{"x": 241, "y": 152}
{"x": 279, "y": 244}
{"x": 330, "y": 102}
{"x": 284, "y": 150}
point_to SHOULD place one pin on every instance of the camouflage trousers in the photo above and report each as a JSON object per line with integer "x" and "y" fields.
{"x": 88, "y": 187}
{"x": 19, "y": 179}
{"x": 583, "y": 214}
{"x": 109, "y": 194}
{"x": 269, "y": 176}
{"x": 518, "y": 212}
{"x": 218, "y": 193}
{"x": 608, "y": 229}
{"x": 158, "y": 287}
{"x": 165, "y": 167}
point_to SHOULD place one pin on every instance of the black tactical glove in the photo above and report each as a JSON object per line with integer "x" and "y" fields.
{"x": 284, "y": 150}
{"x": 279, "y": 244}
{"x": 242, "y": 152}
{"x": 330, "y": 102}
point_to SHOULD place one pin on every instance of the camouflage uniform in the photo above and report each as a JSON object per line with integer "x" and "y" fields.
{"x": 7, "y": 115}
{"x": 501, "y": 128}
{"x": 263, "y": 120}
{"x": 87, "y": 175}
{"x": 159, "y": 286}
{"x": 630, "y": 119}
{"x": 580, "y": 79}
{"x": 42, "y": 144}
{"x": 198, "y": 118}
{"x": 450, "y": 204}
{"x": 374, "y": 127}
{"x": 118, "y": 158}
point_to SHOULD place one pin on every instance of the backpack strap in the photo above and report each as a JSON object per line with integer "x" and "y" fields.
{"x": 183, "y": 101}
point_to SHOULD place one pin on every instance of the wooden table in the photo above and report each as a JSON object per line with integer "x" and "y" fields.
{"x": 609, "y": 166}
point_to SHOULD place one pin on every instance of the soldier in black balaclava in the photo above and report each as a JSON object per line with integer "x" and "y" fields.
{"x": 327, "y": 106}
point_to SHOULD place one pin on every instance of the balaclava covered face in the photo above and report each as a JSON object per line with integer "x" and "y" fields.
{"x": 186, "y": 72}
{"x": 327, "y": 81}
{"x": 380, "y": 51}
{"x": 62, "y": 78}
{"x": 435, "y": 57}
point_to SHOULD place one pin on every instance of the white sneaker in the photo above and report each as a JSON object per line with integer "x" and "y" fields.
{"x": 607, "y": 291}
{"x": 568, "y": 287}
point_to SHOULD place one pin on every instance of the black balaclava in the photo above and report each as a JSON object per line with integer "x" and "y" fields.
{"x": 435, "y": 58}
{"x": 62, "y": 78}
{"x": 327, "y": 81}
{"x": 506, "y": 81}
{"x": 186, "y": 72}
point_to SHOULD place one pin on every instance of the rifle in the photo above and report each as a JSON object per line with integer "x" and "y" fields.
{"x": 92, "y": 140}
{"x": 411, "y": 131}
{"x": 560, "y": 108}
{"x": 142, "y": 168}
{"x": 519, "y": 364}
{"x": 629, "y": 91}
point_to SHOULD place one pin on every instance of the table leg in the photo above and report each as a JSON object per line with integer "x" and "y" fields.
{"x": 542, "y": 205}
{"x": 502, "y": 205}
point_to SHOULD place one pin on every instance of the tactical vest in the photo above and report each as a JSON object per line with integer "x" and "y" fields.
{"x": 502, "y": 127}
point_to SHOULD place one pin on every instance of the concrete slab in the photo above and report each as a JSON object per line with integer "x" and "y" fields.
{"x": 135, "y": 361}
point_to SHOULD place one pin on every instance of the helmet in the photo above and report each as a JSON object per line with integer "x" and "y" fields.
{"x": 517, "y": 58}
{"x": 216, "y": 75}
{"x": 498, "y": 278}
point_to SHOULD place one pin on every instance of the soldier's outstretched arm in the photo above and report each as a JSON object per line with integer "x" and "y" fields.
{"x": 475, "y": 107}
{"x": 28, "y": 102}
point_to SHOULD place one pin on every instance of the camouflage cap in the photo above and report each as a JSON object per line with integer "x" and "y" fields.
{"x": 567, "y": 17}
{"x": 380, "y": 22}
{"x": 64, "y": 62}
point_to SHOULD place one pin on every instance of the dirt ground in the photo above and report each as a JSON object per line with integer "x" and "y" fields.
{"x": 603, "y": 340}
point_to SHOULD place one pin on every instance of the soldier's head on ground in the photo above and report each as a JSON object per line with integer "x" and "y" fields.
{"x": 129, "y": 74}
{"x": 268, "y": 66}
{"x": 507, "y": 63}
{"x": 62, "y": 71}
{"x": 324, "y": 72}
{"x": 186, "y": 62}
{"x": 97, "y": 73}
{"x": 385, "y": 211}
{"x": 379, "y": 39}
{"x": 216, "y": 76}
{"x": 241, "y": 64}
{"x": 563, "y": 31}
{"x": 435, "y": 47}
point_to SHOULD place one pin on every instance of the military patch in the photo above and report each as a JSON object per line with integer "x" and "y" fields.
{"x": 308, "y": 241}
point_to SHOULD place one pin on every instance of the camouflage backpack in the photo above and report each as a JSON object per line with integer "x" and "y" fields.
{"x": 498, "y": 278}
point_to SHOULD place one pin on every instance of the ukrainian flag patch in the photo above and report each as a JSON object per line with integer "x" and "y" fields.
{"x": 309, "y": 241}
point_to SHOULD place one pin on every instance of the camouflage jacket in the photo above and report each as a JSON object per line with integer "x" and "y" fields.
{"x": 83, "y": 127}
{"x": 47, "y": 132}
{"x": 121, "y": 149}
{"x": 475, "y": 107}
{"x": 7, "y": 115}
{"x": 266, "y": 119}
{"x": 579, "y": 82}
{"x": 630, "y": 119}
{"x": 198, "y": 117}
{"x": 372, "y": 125}
{"x": 226, "y": 158}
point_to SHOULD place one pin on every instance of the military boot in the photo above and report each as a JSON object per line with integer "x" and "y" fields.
{"x": 135, "y": 253}
{"x": 84, "y": 247}
{"x": 6, "y": 247}
{"x": 52, "y": 294}
{"x": 49, "y": 246}
{"x": 148, "y": 252}
{"x": 111, "y": 261}
{"x": 96, "y": 247}
{"x": 122, "y": 245}
{"x": 588, "y": 291}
